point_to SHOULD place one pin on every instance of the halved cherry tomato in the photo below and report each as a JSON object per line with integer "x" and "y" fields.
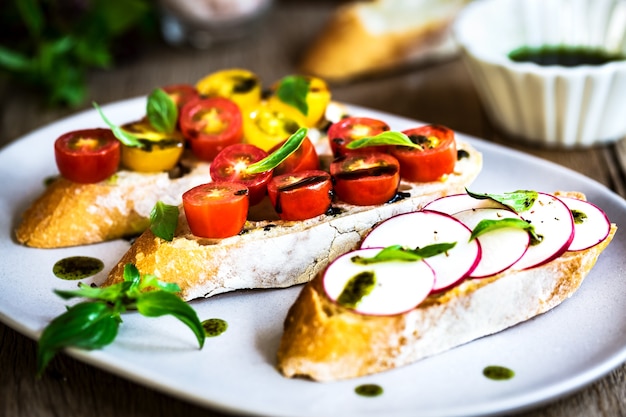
{"x": 210, "y": 125}
{"x": 230, "y": 164}
{"x": 303, "y": 159}
{"x": 366, "y": 179}
{"x": 87, "y": 156}
{"x": 351, "y": 128}
{"x": 317, "y": 99}
{"x": 160, "y": 151}
{"x": 181, "y": 94}
{"x": 216, "y": 210}
{"x": 301, "y": 195}
{"x": 436, "y": 159}
{"x": 266, "y": 127}
{"x": 241, "y": 86}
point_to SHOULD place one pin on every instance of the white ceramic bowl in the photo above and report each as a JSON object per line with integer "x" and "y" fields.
{"x": 548, "y": 105}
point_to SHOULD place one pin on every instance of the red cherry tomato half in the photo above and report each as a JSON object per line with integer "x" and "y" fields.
{"x": 437, "y": 158}
{"x": 210, "y": 125}
{"x": 216, "y": 210}
{"x": 230, "y": 164}
{"x": 87, "y": 156}
{"x": 366, "y": 179}
{"x": 303, "y": 159}
{"x": 301, "y": 195}
{"x": 181, "y": 94}
{"x": 351, "y": 128}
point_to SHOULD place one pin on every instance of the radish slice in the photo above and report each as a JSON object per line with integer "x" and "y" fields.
{"x": 591, "y": 224}
{"x": 501, "y": 248}
{"x": 423, "y": 228}
{"x": 455, "y": 203}
{"x": 398, "y": 286}
{"x": 553, "y": 221}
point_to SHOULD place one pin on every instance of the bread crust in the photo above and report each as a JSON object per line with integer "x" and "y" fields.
{"x": 325, "y": 342}
{"x": 362, "y": 38}
{"x": 72, "y": 214}
{"x": 292, "y": 252}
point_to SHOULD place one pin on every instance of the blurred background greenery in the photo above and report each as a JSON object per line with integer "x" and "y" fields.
{"x": 50, "y": 45}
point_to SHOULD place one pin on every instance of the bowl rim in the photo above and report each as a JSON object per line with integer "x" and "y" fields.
{"x": 480, "y": 54}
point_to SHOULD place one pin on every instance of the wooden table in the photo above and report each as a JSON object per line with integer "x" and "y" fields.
{"x": 441, "y": 93}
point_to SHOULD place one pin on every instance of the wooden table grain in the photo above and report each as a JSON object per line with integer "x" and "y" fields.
{"x": 436, "y": 93}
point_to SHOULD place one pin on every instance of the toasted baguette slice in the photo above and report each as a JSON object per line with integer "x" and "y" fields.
{"x": 72, "y": 214}
{"x": 325, "y": 342}
{"x": 274, "y": 253}
{"x": 366, "y": 37}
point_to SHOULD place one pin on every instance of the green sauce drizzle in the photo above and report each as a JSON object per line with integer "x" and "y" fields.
{"x": 356, "y": 288}
{"x": 369, "y": 390}
{"x": 566, "y": 56}
{"x": 77, "y": 267}
{"x": 498, "y": 373}
{"x": 579, "y": 216}
{"x": 214, "y": 327}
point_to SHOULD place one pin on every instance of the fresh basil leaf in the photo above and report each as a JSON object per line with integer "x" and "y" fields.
{"x": 384, "y": 138}
{"x": 293, "y": 90}
{"x": 126, "y": 138}
{"x": 163, "y": 220}
{"x": 397, "y": 253}
{"x": 162, "y": 111}
{"x": 88, "y": 325}
{"x": 32, "y": 15}
{"x": 518, "y": 201}
{"x": 152, "y": 281}
{"x": 160, "y": 303}
{"x": 110, "y": 293}
{"x": 488, "y": 225}
{"x": 14, "y": 61}
{"x": 279, "y": 155}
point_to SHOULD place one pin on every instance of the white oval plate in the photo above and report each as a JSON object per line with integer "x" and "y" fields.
{"x": 552, "y": 355}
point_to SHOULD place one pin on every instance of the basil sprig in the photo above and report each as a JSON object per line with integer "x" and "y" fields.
{"x": 401, "y": 253}
{"x": 125, "y": 137}
{"x": 488, "y": 225}
{"x": 162, "y": 112}
{"x": 163, "y": 220}
{"x": 293, "y": 90}
{"x": 518, "y": 201}
{"x": 94, "y": 324}
{"x": 385, "y": 138}
{"x": 275, "y": 158}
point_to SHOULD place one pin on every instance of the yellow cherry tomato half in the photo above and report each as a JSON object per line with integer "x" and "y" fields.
{"x": 239, "y": 85}
{"x": 160, "y": 151}
{"x": 265, "y": 127}
{"x": 317, "y": 99}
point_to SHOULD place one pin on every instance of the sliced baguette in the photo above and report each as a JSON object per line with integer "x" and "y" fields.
{"x": 72, "y": 214}
{"x": 325, "y": 342}
{"x": 366, "y": 37}
{"x": 273, "y": 253}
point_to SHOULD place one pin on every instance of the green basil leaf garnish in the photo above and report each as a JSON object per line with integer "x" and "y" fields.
{"x": 162, "y": 112}
{"x": 160, "y": 303}
{"x": 125, "y": 137}
{"x": 293, "y": 90}
{"x": 384, "y": 138}
{"x": 94, "y": 324}
{"x": 87, "y": 325}
{"x": 163, "y": 220}
{"x": 279, "y": 155}
{"x": 400, "y": 253}
{"x": 518, "y": 201}
{"x": 487, "y": 225}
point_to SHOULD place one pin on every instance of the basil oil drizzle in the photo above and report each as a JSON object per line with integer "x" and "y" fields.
{"x": 579, "y": 216}
{"x": 498, "y": 373}
{"x": 77, "y": 267}
{"x": 214, "y": 327}
{"x": 356, "y": 289}
{"x": 369, "y": 390}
